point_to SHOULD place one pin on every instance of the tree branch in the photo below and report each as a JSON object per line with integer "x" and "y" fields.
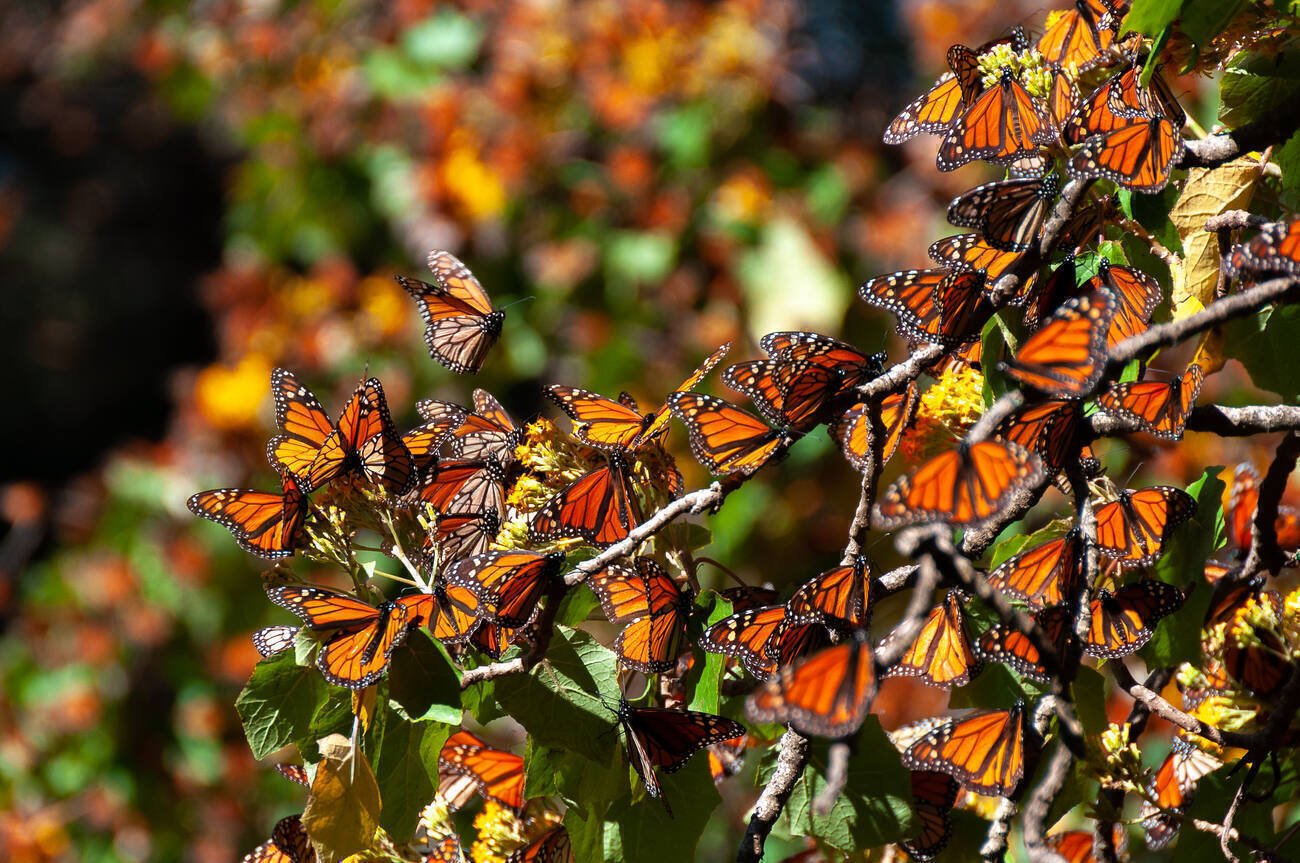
{"x": 790, "y": 764}
{"x": 1214, "y": 150}
{"x": 1264, "y": 552}
{"x": 1221, "y": 420}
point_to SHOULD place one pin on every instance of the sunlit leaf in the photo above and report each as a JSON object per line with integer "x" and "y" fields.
{"x": 342, "y": 809}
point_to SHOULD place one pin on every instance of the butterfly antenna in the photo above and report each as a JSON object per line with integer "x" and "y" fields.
{"x": 517, "y": 302}
{"x": 726, "y": 570}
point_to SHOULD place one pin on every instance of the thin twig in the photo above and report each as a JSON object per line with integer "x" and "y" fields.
{"x": 1214, "y": 150}
{"x": 1221, "y": 420}
{"x": 1040, "y": 802}
{"x": 789, "y": 767}
{"x": 837, "y": 774}
{"x": 1264, "y": 552}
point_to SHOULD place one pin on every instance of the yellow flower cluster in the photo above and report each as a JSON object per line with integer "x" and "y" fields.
{"x": 500, "y": 833}
{"x": 1028, "y": 66}
{"x": 1122, "y": 755}
{"x": 947, "y": 410}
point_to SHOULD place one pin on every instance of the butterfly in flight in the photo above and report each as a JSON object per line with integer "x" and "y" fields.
{"x": 460, "y": 324}
{"x": 467, "y": 765}
{"x": 658, "y": 738}
{"x": 654, "y": 608}
{"x": 826, "y": 694}
{"x": 360, "y": 638}
{"x": 984, "y": 751}
{"x": 317, "y": 451}
{"x": 1132, "y": 528}
{"x": 262, "y": 522}
{"x": 620, "y": 425}
{"x": 965, "y": 486}
{"x": 724, "y": 438}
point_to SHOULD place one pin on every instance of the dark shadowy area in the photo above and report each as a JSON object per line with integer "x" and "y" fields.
{"x": 109, "y": 215}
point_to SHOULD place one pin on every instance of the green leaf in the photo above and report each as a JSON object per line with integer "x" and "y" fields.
{"x": 993, "y": 340}
{"x": 1178, "y": 637}
{"x": 560, "y": 701}
{"x": 1151, "y": 17}
{"x": 576, "y": 606}
{"x": 1287, "y": 158}
{"x": 575, "y": 778}
{"x": 481, "y": 702}
{"x": 1201, "y": 20}
{"x": 1255, "y": 86}
{"x": 447, "y": 40}
{"x": 707, "y": 675}
{"x": 1265, "y": 344}
{"x": 423, "y": 681}
{"x": 994, "y": 687}
{"x": 1090, "y": 700}
{"x": 1152, "y": 213}
{"x": 406, "y": 769}
{"x": 278, "y": 703}
{"x": 641, "y": 831}
{"x": 787, "y": 255}
{"x": 875, "y": 807}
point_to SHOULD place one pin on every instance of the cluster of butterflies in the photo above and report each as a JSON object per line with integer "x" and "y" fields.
{"x": 984, "y": 109}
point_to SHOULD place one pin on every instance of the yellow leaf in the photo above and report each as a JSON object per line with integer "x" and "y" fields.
{"x": 342, "y": 810}
{"x": 363, "y": 705}
{"x": 1208, "y": 192}
{"x": 1209, "y": 353}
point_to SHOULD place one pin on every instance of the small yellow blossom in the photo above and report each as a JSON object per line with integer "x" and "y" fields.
{"x": 946, "y": 412}
{"x": 500, "y": 833}
{"x": 231, "y": 398}
{"x": 1028, "y": 67}
{"x": 470, "y": 182}
{"x": 1228, "y": 712}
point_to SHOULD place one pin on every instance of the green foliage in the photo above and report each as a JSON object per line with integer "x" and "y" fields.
{"x": 1265, "y": 345}
{"x": 875, "y": 807}
{"x": 406, "y": 768}
{"x": 423, "y": 682}
{"x": 279, "y": 703}
{"x": 1178, "y": 638}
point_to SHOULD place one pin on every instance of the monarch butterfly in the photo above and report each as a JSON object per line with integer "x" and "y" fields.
{"x": 1010, "y": 647}
{"x": 1062, "y": 98}
{"x": 727, "y": 758}
{"x": 466, "y": 486}
{"x": 1066, "y": 357}
{"x": 1007, "y": 213}
{"x": 851, "y": 365}
{"x": 1043, "y": 576}
{"x": 1056, "y": 288}
{"x": 793, "y": 395}
{"x": 1097, "y": 113}
{"x": 1240, "y": 512}
{"x": 316, "y": 451}
{"x": 1125, "y": 620}
{"x": 842, "y": 594}
{"x": 724, "y": 438}
{"x": 262, "y": 522}
{"x": 289, "y": 843}
{"x": 619, "y": 425}
{"x": 933, "y": 796}
{"x": 1275, "y": 249}
{"x": 461, "y": 534}
{"x": 424, "y": 441}
{"x": 1079, "y": 36}
{"x": 746, "y": 596}
{"x": 1262, "y": 664}
{"x": 452, "y": 611}
{"x": 853, "y": 429}
{"x": 963, "y": 487}
{"x": 488, "y": 432}
{"x": 937, "y": 305}
{"x": 1132, "y": 529}
{"x": 1049, "y": 428}
{"x": 460, "y": 325}
{"x": 763, "y": 638}
{"x": 1172, "y": 789}
{"x": 1139, "y": 155}
{"x": 1157, "y": 408}
{"x": 1001, "y": 124}
{"x": 496, "y": 774}
{"x": 984, "y": 751}
{"x": 656, "y": 737}
{"x": 1129, "y": 99}
{"x": 1074, "y": 846}
{"x": 655, "y": 610}
{"x": 827, "y": 694}
{"x": 941, "y": 656}
{"x": 508, "y": 584}
{"x": 361, "y": 637}
{"x": 937, "y": 108}
{"x": 973, "y": 252}
{"x": 600, "y": 507}
{"x": 552, "y": 846}
{"x": 270, "y": 640}
{"x": 445, "y": 850}
{"x": 1138, "y": 296}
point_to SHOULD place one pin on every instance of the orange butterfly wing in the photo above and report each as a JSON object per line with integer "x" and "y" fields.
{"x": 1066, "y": 357}
{"x": 263, "y": 523}
{"x": 460, "y": 324}
{"x": 941, "y": 655}
{"x": 607, "y": 424}
{"x": 724, "y": 438}
{"x": 1124, "y": 621}
{"x": 983, "y": 751}
{"x": 964, "y": 486}
{"x": 509, "y": 584}
{"x": 599, "y": 507}
{"x": 827, "y": 694}
{"x": 933, "y": 111}
{"x": 842, "y": 594}
{"x": 498, "y": 775}
{"x": 1133, "y": 528}
{"x": 1046, "y": 575}
{"x": 1158, "y": 408}
{"x": 1001, "y": 124}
